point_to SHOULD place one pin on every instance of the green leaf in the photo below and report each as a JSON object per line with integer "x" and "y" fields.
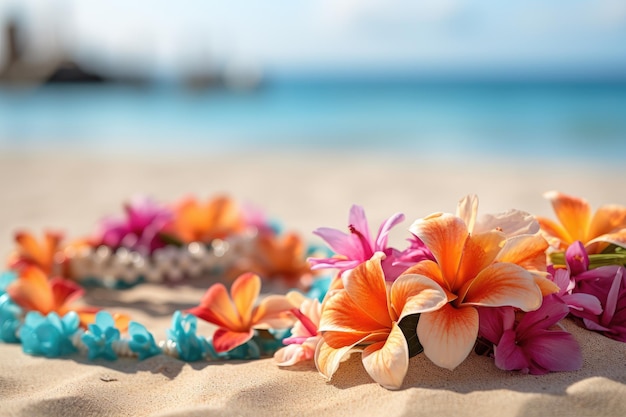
{"x": 408, "y": 325}
{"x": 170, "y": 239}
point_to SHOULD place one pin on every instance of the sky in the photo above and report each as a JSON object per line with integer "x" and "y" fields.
{"x": 533, "y": 38}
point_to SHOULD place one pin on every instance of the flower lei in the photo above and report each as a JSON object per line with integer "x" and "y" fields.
{"x": 496, "y": 285}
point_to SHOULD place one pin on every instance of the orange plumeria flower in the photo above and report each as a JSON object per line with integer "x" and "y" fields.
{"x": 364, "y": 316}
{"x": 215, "y": 219}
{"x": 33, "y": 291}
{"x": 237, "y": 317}
{"x": 468, "y": 270}
{"x": 30, "y": 251}
{"x": 524, "y": 244}
{"x": 606, "y": 226}
{"x": 278, "y": 257}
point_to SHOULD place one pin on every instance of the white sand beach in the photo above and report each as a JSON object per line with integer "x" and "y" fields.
{"x": 71, "y": 192}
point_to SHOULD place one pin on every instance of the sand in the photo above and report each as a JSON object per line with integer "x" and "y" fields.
{"x": 71, "y": 192}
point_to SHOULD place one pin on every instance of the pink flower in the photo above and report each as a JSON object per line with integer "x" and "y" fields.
{"x": 304, "y": 337}
{"x": 139, "y": 230}
{"x": 596, "y": 295}
{"x": 358, "y": 246}
{"x": 416, "y": 252}
{"x": 531, "y": 345}
{"x": 580, "y": 304}
{"x": 576, "y": 258}
{"x": 608, "y": 284}
{"x": 577, "y": 261}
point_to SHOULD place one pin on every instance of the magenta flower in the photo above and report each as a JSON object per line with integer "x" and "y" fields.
{"x": 576, "y": 258}
{"x": 608, "y": 284}
{"x": 416, "y": 252}
{"x": 604, "y": 284}
{"x": 358, "y": 246}
{"x": 139, "y": 230}
{"x": 580, "y": 304}
{"x": 532, "y": 344}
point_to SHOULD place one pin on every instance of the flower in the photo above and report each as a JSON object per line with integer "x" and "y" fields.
{"x": 140, "y": 230}
{"x": 49, "y": 335}
{"x": 189, "y": 345}
{"x": 364, "y": 316}
{"x": 510, "y": 222}
{"x": 33, "y": 291}
{"x": 608, "y": 284}
{"x": 358, "y": 246}
{"x": 531, "y": 344}
{"x": 607, "y": 226}
{"x": 10, "y": 319}
{"x": 277, "y": 257}
{"x": 37, "y": 253}
{"x": 304, "y": 337}
{"x": 524, "y": 246}
{"x": 141, "y": 341}
{"x": 218, "y": 218}
{"x": 468, "y": 270}
{"x": 580, "y": 304}
{"x": 101, "y": 336}
{"x": 236, "y": 315}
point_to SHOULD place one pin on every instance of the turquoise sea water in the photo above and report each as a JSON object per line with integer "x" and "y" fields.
{"x": 586, "y": 120}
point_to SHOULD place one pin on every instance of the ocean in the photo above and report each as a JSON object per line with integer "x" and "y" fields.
{"x": 524, "y": 119}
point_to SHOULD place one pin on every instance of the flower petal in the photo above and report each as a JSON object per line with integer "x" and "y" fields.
{"x": 448, "y": 334}
{"x": 358, "y": 220}
{"x": 555, "y": 231}
{"x": 292, "y": 354}
{"x": 244, "y": 292}
{"x": 574, "y": 214}
{"x": 327, "y": 359}
{"x": 494, "y": 321}
{"x": 466, "y": 209}
{"x": 343, "y": 322}
{"x": 480, "y": 250}
{"x": 607, "y": 219}
{"x": 503, "y": 284}
{"x": 365, "y": 285}
{"x": 511, "y": 223}
{"x": 385, "y": 228}
{"x": 431, "y": 270}
{"x": 412, "y": 294}
{"x": 581, "y": 302}
{"x": 554, "y": 351}
{"x": 552, "y": 310}
{"x": 598, "y": 244}
{"x": 65, "y": 291}
{"x": 611, "y": 299}
{"x": 31, "y": 290}
{"x": 527, "y": 251}
{"x": 444, "y": 235}
{"x": 33, "y": 250}
{"x": 217, "y": 308}
{"x": 387, "y": 362}
{"x": 509, "y": 356}
{"x": 273, "y": 312}
{"x": 225, "y": 340}
{"x": 576, "y": 258}
{"x": 338, "y": 241}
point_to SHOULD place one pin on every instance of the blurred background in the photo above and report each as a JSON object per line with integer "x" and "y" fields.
{"x": 434, "y": 77}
